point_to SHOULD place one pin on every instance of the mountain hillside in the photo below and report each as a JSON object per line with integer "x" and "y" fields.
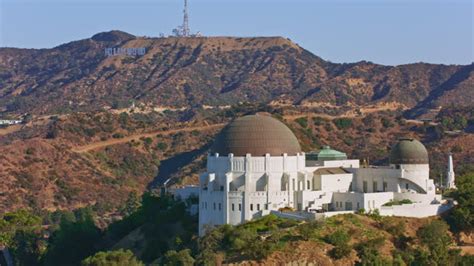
{"x": 214, "y": 71}
{"x": 104, "y": 127}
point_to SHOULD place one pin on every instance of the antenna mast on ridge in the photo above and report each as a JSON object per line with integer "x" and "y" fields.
{"x": 186, "y": 31}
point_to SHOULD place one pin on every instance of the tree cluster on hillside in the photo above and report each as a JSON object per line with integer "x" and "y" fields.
{"x": 463, "y": 214}
{"x": 166, "y": 235}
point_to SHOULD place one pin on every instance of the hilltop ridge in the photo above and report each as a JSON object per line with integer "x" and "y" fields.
{"x": 213, "y": 71}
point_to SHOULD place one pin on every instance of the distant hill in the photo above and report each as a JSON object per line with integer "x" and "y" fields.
{"x": 72, "y": 153}
{"x": 214, "y": 71}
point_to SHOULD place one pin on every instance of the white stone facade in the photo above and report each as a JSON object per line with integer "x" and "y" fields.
{"x": 241, "y": 188}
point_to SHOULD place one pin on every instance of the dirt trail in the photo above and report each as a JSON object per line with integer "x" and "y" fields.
{"x": 9, "y": 129}
{"x": 466, "y": 250}
{"x": 329, "y": 117}
{"x": 105, "y": 143}
{"x": 362, "y": 111}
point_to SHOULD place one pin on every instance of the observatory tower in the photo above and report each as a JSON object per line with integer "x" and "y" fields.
{"x": 450, "y": 173}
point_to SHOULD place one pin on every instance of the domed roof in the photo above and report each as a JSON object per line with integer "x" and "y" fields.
{"x": 408, "y": 151}
{"x": 257, "y": 135}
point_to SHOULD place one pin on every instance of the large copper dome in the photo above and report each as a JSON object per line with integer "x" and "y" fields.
{"x": 257, "y": 135}
{"x": 408, "y": 151}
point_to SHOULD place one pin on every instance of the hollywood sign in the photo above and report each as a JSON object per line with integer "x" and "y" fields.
{"x": 125, "y": 51}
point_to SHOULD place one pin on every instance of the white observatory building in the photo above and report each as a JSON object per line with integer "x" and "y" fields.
{"x": 256, "y": 167}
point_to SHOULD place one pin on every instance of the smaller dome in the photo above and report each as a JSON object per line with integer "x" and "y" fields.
{"x": 328, "y": 154}
{"x": 409, "y": 151}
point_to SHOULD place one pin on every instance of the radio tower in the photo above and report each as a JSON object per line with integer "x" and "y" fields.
{"x": 183, "y": 30}
{"x": 186, "y": 31}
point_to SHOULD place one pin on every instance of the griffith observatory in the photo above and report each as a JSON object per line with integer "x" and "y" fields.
{"x": 256, "y": 167}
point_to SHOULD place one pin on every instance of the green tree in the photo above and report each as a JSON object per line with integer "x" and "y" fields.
{"x": 340, "y": 240}
{"x": 147, "y": 141}
{"x": 26, "y": 247}
{"x": 386, "y": 122}
{"x": 73, "y": 241}
{"x": 181, "y": 258}
{"x": 308, "y": 230}
{"x": 463, "y": 213}
{"x": 342, "y": 123}
{"x": 369, "y": 254}
{"x": 209, "y": 244}
{"x": 162, "y": 146}
{"x": 132, "y": 204}
{"x": 302, "y": 121}
{"x": 123, "y": 120}
{"x": 393, "y": 226}
{"x": 112, "y": 258}
{"x": 11, "y": 222}
{"x": 318, "y": 121}
{"x": 435, "y": 237}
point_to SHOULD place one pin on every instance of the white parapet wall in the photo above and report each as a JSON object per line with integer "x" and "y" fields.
{"x": 415, "y": 210}
{"x": 290, "y": 215}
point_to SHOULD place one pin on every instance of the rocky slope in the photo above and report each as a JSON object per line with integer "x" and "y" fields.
{"x": 214, "y": 71}
{"x": 73, "y": 153}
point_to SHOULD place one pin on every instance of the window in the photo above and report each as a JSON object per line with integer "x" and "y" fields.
{"x": 220, "y": 206}
{"x": 308, "y": 185}
{"x": 407, "y": 186}
{"x": 258, "y": 207}
{"x": 375, "y": 185}
{"x": 232, "y": 206}
{"x": 397, "y": 166}
{"x": 222, "y": 188}
{"x": 365, "y": 186}
{"x": 205, "y": 205}
{"x": 240, "y": 207}
{"x": 251, "y": 207}
{"x": 214, "y": 206}
{"x": 358, "y": 205}
{"x": 385, "y": 186}
{"x": 266, "y": 206}
{"x": 348, "y": 206}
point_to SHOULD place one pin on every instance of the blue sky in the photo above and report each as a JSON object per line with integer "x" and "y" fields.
{"x": 382, "y": 31}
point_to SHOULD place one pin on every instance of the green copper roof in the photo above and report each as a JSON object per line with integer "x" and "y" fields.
{"x": 327, "y": 153}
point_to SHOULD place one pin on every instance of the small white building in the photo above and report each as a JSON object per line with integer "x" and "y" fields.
{"x": 256, "y": 166}
{"x": 9, "y": 122}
